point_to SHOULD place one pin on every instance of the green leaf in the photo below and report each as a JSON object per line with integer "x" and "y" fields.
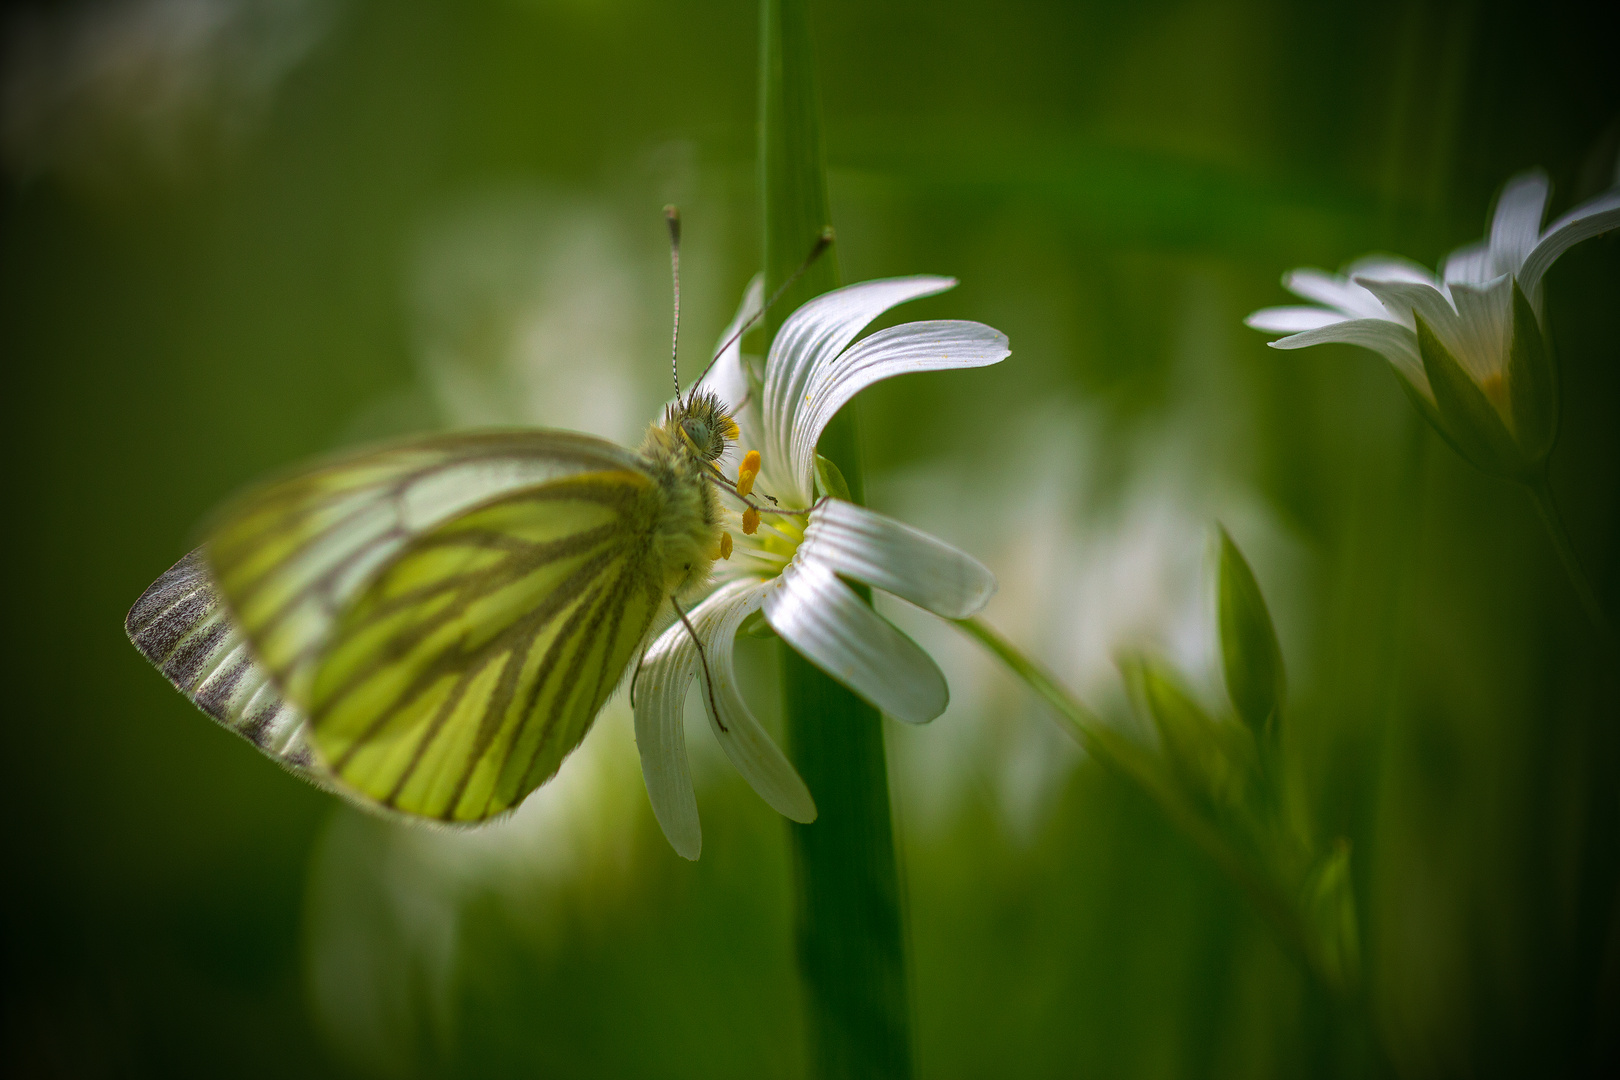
{"x": 1255, "y": 679}
{"x": 830, "y": 479}
{"x": 793, "y": 173}
{"x": 1425, "y": 407}
{"x": 1473, "y": 424}
{"x": 1329, "y": 904}
{"x": 1214, "y": 762}
{"x": 1532, "y": 382}
{"x": 850, "y": 944}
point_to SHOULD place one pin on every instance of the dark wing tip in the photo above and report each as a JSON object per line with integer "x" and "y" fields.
{"x": 178, "y": 582}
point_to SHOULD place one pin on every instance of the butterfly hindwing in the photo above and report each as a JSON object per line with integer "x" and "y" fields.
{"x": 479, "y": 654}
{"x": 290, "y": 557}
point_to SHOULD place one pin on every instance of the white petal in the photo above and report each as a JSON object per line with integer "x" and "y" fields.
{"x": 1390, "y": 268}
{"x": 1485, "y": 314}
{"x": 1340, "y": 294}
{"x": 919, "y": 346}
{"x": 726, "y": 377}
{"x": 815, "y": 334}
{"x": 1291, "y": 320}
{"x": 1404, "y": 299}
{"x": 1516, "y": 225}
{"x": 1595, "y": 216}
{"x": 750, "y": 436}
{"x": 881, "y": 552}
{"x": 661, "y": 738}
{"x": 672, "y": 663}
{"x": 1390, "y": 340}
{"x": 830, "y": 626}
{"x": 1471, "y": 262}
{"x": 748, "y": 745}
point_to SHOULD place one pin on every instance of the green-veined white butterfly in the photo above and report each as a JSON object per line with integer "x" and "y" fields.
{"x": 433, "y": 625}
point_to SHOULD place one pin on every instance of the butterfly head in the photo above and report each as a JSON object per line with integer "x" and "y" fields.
{"x": 703, "y": 423}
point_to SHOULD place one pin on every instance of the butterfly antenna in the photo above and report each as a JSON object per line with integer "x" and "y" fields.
{"x": 823, "y": 242}
{"x": 673, "y": 217}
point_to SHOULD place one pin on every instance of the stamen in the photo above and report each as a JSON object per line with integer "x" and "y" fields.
{"x": 718, "y": 478}
{"x": 747, "y": 471}
{"x": 750, "y": 521}
{"x": 722, "y": 549}
{"x": 730, "y": 428}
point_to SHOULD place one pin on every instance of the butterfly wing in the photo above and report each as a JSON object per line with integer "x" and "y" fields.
{"x": 183, "y": 626}
{"x": 239, "y": 624}
{"x": 290, "y": 557}
{"x": 478, "y": 656}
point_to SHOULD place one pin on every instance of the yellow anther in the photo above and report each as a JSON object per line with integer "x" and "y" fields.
{"x": 731, "y": 430}
{"x": 750, "y": 521}
{"x": 747, "y": 471}
{"x": 722, "y": 547}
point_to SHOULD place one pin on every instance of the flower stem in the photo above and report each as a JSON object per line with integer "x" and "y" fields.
{"x": 846, "y": 886}
{"x": 1547, "y": 506}
{"x": 1135, "y": 766}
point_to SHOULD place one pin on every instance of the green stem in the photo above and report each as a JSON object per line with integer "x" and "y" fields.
{"x": 846, "y": 886}
{"x": 1541, "y": 492}
{"x": 1136, "y": 766}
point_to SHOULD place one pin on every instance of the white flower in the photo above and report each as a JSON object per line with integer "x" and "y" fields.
{"x": 792, "y": 568}
{"x": 1381, "y": 302}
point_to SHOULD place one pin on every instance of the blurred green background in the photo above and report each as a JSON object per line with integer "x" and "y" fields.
{"x": 240, "y": 232}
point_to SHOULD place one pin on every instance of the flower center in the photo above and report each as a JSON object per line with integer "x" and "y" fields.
{"x": 767, "y": 540}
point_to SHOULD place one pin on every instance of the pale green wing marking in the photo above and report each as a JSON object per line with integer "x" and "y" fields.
{"x": 473, "y": 663}
{"x": 290, "y": 557}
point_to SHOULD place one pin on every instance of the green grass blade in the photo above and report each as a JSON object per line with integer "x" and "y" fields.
{"x": 848, "y": 921}
{"x": 793, "y": 171}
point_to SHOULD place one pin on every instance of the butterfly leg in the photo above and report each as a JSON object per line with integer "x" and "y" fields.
{"x": 636, "y": 674}
{"x": 708, "y": 680}
{"x": 727, "y": 485}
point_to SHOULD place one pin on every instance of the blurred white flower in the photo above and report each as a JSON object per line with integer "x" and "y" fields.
{"x": 93, "y": 89}
{"x": 1089, "y": 573}
{"x": 1098, "y": 528}
{"x": 1478, "y": 370}
{"x": 791, "y": 567}
{"x": 528, "y": 313}
{"x": 528, "y": 310}
{"x": 532, "y": 309}
{"x": 388, "y": 901}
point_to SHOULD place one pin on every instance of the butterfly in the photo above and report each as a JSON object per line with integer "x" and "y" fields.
{"x": 432, "y": 626}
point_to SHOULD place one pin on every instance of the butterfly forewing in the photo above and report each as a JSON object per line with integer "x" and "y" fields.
{"x": 183, "y": 626}
{"x": 289, "y": 558}
{"x": 477, "y": 657}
